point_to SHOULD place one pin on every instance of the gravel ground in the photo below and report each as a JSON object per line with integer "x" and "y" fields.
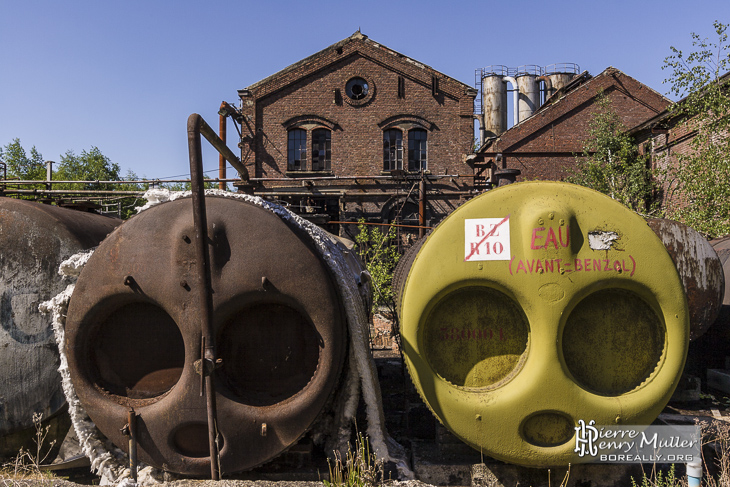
{"x": 196, "y": 483}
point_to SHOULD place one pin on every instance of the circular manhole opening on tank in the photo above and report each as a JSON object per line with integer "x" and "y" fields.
{"x": 269, "y": 353}
{"x": 136, "y": 352}
{"x": 612, "y": 342}
{"x": 476, "y": 337}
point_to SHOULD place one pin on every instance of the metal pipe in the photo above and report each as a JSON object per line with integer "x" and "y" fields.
{"x": 397, "y": 225}
{"x": 547, "y": 88}
{"x": 421, "y": 207}
{"x": 215, "y": 141}
{"x": 132, "y": 418}
{"x": 196, "y": 126}
{"x": 222, "y": 134}
{"x": 72, "y": 191}
{"x": 49, "y": 174}
{"x": 516, "y": 92}
{"x": 256, "y": 180}
{"x": 694, "y": 473}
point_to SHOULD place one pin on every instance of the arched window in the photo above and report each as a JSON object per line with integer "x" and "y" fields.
{"x": 297, "y": 158}
{"x": 417, "y": 150}
{"x": 392, "y": 150}
{"x": 321, "y": 149}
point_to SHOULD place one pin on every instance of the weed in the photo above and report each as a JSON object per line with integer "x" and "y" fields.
{"x": 25, "y": 469}
{"x": 360, "y": 468}
{"x": 660, "y": 479}
{"x": 716, "y": 443}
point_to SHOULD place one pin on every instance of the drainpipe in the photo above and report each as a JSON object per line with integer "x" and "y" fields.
{"x": 516, "y": 93}
{"x": 482, "y": 131}
{"x": 548, "y": 89}
{"x": 422, "y": 206}
{"x": 221, "y": 159}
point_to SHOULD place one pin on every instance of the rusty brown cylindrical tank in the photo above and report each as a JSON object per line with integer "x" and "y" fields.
{"x": 133, "y": 337}
{"x": 35, "y": 239}
{"x": 700, "y": 269}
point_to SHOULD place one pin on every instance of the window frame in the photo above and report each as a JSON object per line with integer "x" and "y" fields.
{"x": 392, "y": 149}
{"x": 417, "y": 146}
{"x": 296, "y": 145}
{"x": 320, "y": 145}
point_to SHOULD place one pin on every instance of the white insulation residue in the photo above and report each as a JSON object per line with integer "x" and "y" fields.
{"x": 110, "y": 462}
{"x": 107, "y": 461}
{"x": 72, "y": 266}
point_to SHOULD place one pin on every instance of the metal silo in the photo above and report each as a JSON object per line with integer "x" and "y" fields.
{"x": 529, "y": 99}
{"x": 560, "y": 75}
{"x": 494, "y": 100}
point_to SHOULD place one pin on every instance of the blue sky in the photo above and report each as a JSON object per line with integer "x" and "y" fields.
{"x": 124, "y": 76}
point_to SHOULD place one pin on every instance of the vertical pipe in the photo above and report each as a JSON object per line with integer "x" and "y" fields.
{"x": 222, "y": 160}
{"x": 421, "y": 206}
{"x": 694, "y": 473}
{"x": 547, "y": 88}
{"x": 132, "y": 421}
{"x": 516, "y": 92}
{"x": 203, "y": 279}
{"x": 49, "y": 175}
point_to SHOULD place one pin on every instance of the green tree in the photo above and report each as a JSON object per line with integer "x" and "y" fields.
{"x": 611, "y": 162}
{"x": 90, "y": 165}
{"x": 19, "y": 165}
{"x": 703, "y": 172}
{"x": 380, "y": 255}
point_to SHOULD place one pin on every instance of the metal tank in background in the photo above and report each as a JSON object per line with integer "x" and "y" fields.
{"x": 559, "y": 75}
{"x": 35, "y": 239}
{"x": 494, "y": 101}
{"x": 700, "y": 269}
{"x": 529, "y": 95}
{"x": 527, "y": 83}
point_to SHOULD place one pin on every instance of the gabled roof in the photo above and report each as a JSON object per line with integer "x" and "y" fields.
{"x": 669, "y": 115}
{"x": 359, "y": 44}
{"x": 578, "y": 91}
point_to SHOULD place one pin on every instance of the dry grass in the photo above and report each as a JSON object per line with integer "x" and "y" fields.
{"x": 24, "y": 469}
{"x": 716, "y": 453}
{"x": 359, "y": 468}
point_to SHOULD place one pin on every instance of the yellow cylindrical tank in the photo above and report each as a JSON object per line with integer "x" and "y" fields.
{"x": 535, "y": 306}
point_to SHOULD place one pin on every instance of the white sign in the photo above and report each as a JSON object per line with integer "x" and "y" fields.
{"x": 486, "y": 239}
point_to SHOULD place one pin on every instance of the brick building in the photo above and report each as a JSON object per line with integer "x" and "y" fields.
{"x": 664, "y": 137}
{"x": 545, "y": 145}
{"x": 358, "y": 129}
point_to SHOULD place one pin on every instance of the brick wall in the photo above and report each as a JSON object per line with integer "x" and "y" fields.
{"x": 357, "y": 131}
{"x": 402, "y": 94}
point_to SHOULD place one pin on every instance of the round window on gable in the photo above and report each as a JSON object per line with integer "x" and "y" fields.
{"x": 357, "y": 89}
